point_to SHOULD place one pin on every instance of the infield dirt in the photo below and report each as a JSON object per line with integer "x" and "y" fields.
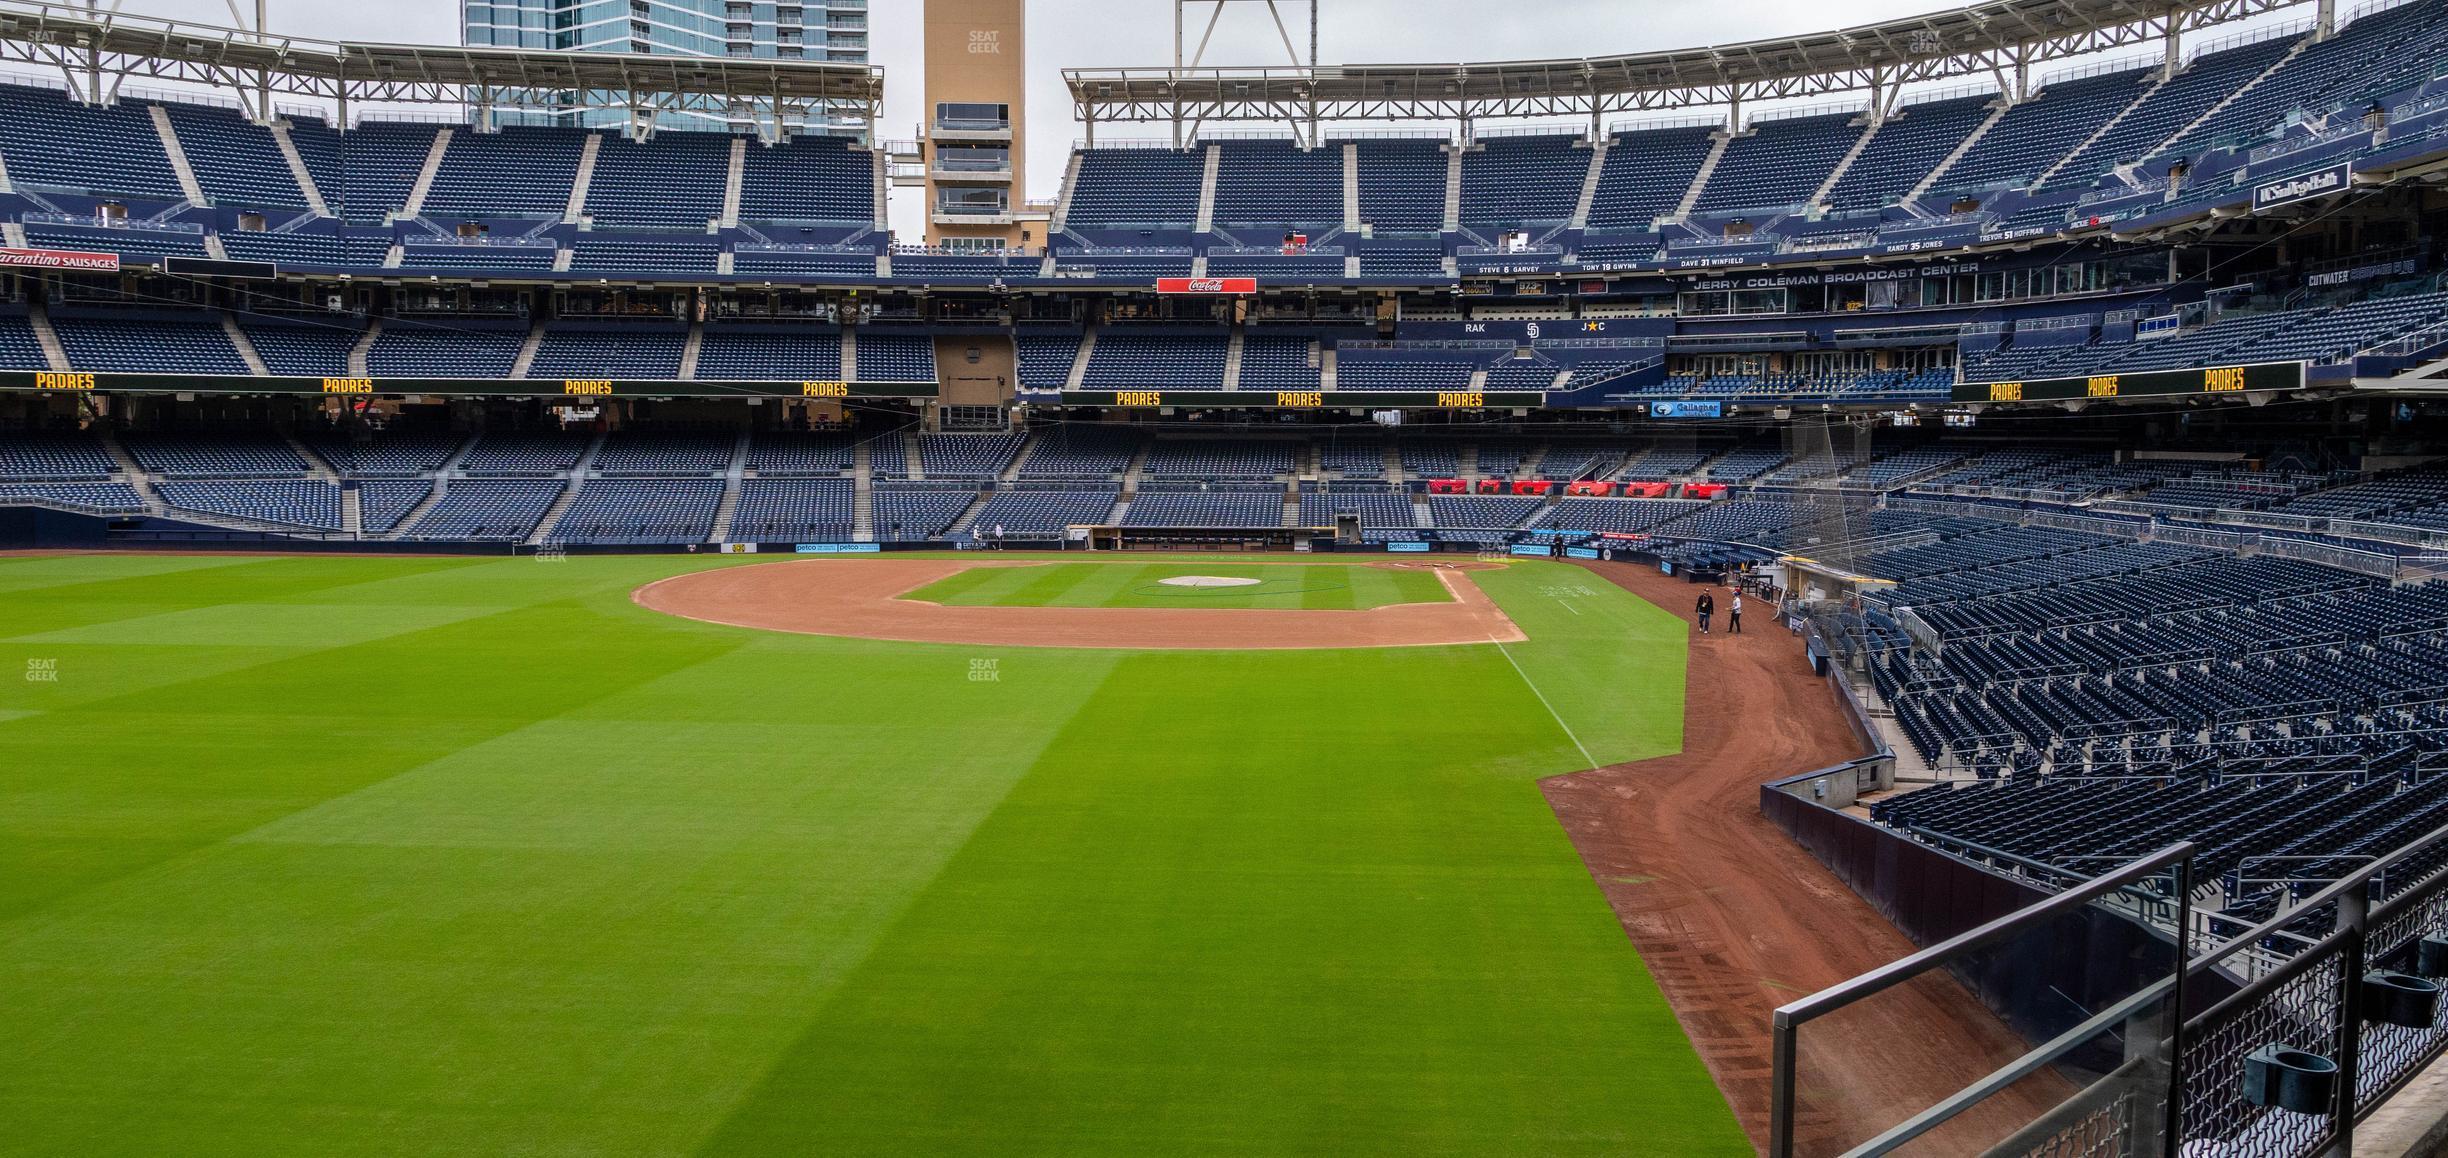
{"x": 859, "y": 598}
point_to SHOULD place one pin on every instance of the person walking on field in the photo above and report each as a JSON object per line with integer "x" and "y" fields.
{"x": 1734, "y": 614}
{"x": 1707, "y": 607}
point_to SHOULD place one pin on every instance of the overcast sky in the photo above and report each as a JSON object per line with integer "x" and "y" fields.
{"x": 1097, "y": 33}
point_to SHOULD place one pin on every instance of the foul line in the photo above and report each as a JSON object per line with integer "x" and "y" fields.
{"x": 1558, "y": 717}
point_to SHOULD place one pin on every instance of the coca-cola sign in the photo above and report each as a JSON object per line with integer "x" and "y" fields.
{"x": 1206, "y": 285}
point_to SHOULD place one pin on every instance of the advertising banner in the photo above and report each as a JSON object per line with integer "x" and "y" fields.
{"x": 68, "y": 259}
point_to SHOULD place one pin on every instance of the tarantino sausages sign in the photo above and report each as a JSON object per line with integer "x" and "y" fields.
{"x": 74, "y": 260}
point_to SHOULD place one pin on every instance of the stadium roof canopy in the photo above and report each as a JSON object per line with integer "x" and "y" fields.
{"x": 2001, "y": 39}
{"x": 97, "y": 50}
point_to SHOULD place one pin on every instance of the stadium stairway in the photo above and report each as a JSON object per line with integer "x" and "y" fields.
{"x": 2233, "y": 95}
{"x": 316, "y": 466}
{"x": 692, "y": 348}
{"x": 528, "y": 349}
{"x": 1972, "y": 139}
{"x": 1079, "y": 360}
{"x": 1136, "y": 472}
{"x": 246, "y": 348}
{"x": 415, "y": 204}
{"x": 1453, "y": 187}
{"x": 45, "y": 335}
{"x": 561, "y": 504}
{"x": 433, "y": 498}
{"x": 297, "y": 169}
{"x": 733, "y": 474}
{"x": 1589, "y": 182}
{"x": 574, "y": 210}
{"x": 734, "y": 178}
{"x": 1019, "y": 461}
{"x": 1844, "y": 164}
{"x": 1700, "y": 178}
{"x": 128, "y": 468}
{"x": 968, "y": 516}
{"x": 359, "y": 353}
{"x": 2140, "y": 98}
{"x": 188, "y": 185}
{"x": 441, "y": 489}
{"x": 862, "y": 492}
{"x": 352, "y": 512}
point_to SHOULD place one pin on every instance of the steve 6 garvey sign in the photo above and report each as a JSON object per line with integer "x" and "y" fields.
{"x": 1206, "y": 285}
{"x": 71, "y": 259}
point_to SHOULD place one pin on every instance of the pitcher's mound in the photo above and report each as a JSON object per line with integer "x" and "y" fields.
{"x": 1207, "y": 581}
{"x": 857, "y": 598}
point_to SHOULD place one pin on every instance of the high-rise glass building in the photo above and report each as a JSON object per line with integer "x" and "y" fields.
{"x": 832, "y": 31}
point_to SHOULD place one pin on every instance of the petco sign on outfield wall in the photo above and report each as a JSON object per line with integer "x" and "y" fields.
{"x": 72, "y": 259}
{"x": 1206, "y": 285}
{"x": 2272, "y": 194}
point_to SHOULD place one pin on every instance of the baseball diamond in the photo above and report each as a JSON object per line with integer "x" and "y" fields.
{"x": 725, "y": 578}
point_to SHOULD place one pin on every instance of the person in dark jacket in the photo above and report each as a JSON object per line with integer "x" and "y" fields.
{"x": 1708, "y": 607}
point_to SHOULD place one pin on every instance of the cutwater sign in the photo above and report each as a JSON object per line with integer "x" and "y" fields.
{"x": 2289, "y": 190}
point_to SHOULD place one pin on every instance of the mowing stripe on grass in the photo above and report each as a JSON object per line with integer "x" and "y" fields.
{"x": 1542, "y": 699}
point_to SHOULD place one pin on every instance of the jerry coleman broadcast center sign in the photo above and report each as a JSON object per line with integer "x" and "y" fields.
{"x": 2150, "y": 384}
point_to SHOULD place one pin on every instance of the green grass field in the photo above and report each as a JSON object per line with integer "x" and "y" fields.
{"x": 445, "y": 856}
{"x": 1318, "y": 587}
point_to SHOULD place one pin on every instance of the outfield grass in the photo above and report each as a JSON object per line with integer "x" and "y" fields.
{"x": 364, "y": 856}
{"x": 1318, "y": 587}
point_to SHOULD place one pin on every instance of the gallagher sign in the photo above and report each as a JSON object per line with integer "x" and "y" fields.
{"x": 68, "y": 259}
{"x": 1206, "y": 285}
{"x": 2303, "y": 187}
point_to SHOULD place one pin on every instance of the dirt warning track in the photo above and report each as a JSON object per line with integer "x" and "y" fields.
{"x": 1734, "y": 919}
{"x": 859, "y": 598}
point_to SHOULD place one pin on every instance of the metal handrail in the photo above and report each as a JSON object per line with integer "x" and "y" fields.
{"x": 1789, "y": 1018}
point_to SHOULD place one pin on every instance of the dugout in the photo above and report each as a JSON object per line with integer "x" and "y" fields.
{"x": 1811, "y": 581}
